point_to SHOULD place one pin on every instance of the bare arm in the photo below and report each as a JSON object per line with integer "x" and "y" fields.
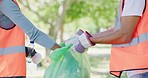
{"x": 119, "y": 36}
{"x": 104, "y": 32}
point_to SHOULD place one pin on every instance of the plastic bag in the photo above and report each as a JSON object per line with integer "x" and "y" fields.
{"x": 68, "y": 64}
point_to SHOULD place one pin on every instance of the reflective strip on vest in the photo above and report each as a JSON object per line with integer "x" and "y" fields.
{"x": 135, "y": 41}
{"x": 12, "y": 50}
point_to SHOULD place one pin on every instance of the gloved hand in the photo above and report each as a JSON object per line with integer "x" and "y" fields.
{"x": 37, "y": 58}
{"x": 75, "y": 40}
{"x": 80, "y": 42}
{"x": 31, "y": 53}
{"x": 85, "y": 40}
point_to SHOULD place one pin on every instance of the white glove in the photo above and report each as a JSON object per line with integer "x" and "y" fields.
{"x": 85, "y": 40}
{"x": 36, "y": 59}
{"x": 80, "y": 42}
{"x": 32, "y": 54}
{"x": 75, "y": 41}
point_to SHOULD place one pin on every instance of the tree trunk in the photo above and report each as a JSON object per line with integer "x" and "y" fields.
{"x": 59, "y": 23}
{"x": 62, "y": 33}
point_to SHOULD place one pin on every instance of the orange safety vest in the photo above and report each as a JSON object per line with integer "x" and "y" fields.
{"x": 133, "y": 55}
{"x": 12, "y": 53}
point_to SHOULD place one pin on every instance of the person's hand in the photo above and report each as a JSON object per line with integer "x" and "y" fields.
{"x": 36, "y": 59}
{"x": 85, "y": 41}
{"x": 75, "y": 41}
{"x": 80, "y": 41}
{"x": 31, "y": 53}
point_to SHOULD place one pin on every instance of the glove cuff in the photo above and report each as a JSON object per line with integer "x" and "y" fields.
{"x": 85, "y": 41}
{"x": 79, "y": 48}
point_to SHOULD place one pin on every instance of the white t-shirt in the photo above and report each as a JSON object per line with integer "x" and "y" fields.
{"x": 134, "y": 8}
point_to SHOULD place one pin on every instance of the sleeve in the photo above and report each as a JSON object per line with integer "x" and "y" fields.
{"x": 11, "y": 10}
{"x": 133, "y": 7}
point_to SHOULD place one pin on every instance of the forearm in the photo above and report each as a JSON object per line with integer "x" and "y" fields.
{"x": 119, "y": 36}
{"x": 42, "y": 39}
{"x": 114, "y": 37}
{"x": 104, "y": 32}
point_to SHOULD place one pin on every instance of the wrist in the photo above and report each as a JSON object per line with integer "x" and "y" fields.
{"x": 55, "y": 46}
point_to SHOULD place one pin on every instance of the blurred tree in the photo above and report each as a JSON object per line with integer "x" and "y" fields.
{"x": 102, "y": 12}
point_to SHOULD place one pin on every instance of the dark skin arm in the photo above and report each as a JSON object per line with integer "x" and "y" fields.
{"x": 104, "y": 32}
{"x": 119, "y": 36}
